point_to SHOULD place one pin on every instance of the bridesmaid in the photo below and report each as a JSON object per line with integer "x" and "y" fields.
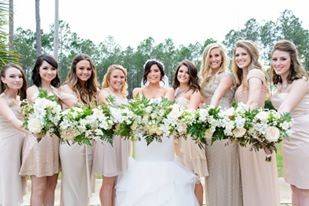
{"x": 259, "y": 177}
{"x": 13, "y": 89}
{"x": 111, "y": 160}
{"x": 41, "y": 159}
{"x": 76, "y": 160}
{"x": 292, "y": 95}
{"x": 223, "y": 185}
{"x": 187, "y": 94}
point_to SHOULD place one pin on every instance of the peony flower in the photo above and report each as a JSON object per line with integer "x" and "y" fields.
{"x": 272, "y": 134}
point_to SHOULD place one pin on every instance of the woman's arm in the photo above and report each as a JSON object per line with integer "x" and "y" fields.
{"x": 66, "y": 95}
{"x": 225, "y": 85}
{"x": 255, "y": 92}
{"x": 298, "y": 90}
{"x": 7, "y": 113}
{"x": 169, "y": 94}
{"x": 195, "y": 100}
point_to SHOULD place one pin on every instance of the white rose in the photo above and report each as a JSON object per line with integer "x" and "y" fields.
{"x": 239, "y": 132}
{"x": 35, "y": 125}
{"x": 272, "y": 134}
{"x": 263, "y": 116}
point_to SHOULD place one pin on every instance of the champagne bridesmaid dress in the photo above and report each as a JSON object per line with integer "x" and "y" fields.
{"x": 41, "y": 158}
{"x": 77, "y": 182}
{"x": 188, "y": 152}
{"x": 296, "y": 146}
{"x": 111, "y": 160}
{"x": 223, "y": 185}
{"x": 259, "y": 177}
{"x": 11, "y": 141}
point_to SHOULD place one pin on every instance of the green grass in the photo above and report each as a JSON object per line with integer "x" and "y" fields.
{"x": 279, "y": 161}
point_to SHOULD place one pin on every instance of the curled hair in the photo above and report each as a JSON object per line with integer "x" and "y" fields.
{"x": 106, "y": 78}
{"x": 296, "y": 70}
{"x": 193, "y": 78}
{"x": 86, "y": 92}
{"x": 22, "y": 90}
{"x": 205, "y": 70}
{"x": 36, "y": 78}
{"x": 149, "y": 63}
{"x": 253, "y": 52}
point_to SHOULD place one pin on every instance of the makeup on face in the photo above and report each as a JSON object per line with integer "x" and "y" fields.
{"x": 242, "y": 58}
{"x": 83, "y": 70}
{"x": 281, "y": 62}
{"x": 13, "y": 78}
{"x": 47, "y": 72}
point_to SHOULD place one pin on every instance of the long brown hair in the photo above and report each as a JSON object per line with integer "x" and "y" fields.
{"x": 111, "y": 68}
{"x": 22, "y": 90}
{"x": 296, "y": 70}
{"x": 193, "y": 78}
{"x": 87, "y": 92}
{"x": 252, "y": 50}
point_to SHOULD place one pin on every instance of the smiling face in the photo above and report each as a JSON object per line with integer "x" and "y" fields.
{"x": 83, "y": 70}
{"x": 154, "y": 75}
{"x": 215, "y": 58}
{"x": 47, "y": 72}
{"x": 281, "y": 62}
{"x": 13, "y": 78}
{"x": 183, "y": 75}
{"x": 242, "y": 58}
{"x": 117, "y": 80}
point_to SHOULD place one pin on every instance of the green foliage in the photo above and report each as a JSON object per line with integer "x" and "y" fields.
{"x": 5, "y": 54}
{"x": 108, "y": 51}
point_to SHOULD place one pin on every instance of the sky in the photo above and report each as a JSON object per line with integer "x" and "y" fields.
{"x": 131, "y": 21}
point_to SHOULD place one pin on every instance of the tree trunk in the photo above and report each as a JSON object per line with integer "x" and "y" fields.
{"x": 56, "y": 32}
{"x": 11, "y": 24}
{"x": 38, "y": 45}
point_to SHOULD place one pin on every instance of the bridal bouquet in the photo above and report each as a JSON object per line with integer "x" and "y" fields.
{"x": 258, "y": 128}
{"x": 42, "y": 116}
{"x": 146, "y": 119}
{"x": 175, "y": 122}
{"x": 239, "y": 120}
{"x": 204, "y": 123}
{"x": 269, "y": 128}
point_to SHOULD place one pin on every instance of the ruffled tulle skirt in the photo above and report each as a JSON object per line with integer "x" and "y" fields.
{"x": 156, "y": 183}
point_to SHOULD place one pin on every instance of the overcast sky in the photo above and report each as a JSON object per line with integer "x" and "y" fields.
{"x": 131, "y": 21}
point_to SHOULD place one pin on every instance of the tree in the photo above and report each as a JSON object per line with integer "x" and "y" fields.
{"x": 5, "y": 54}
{"x": 56, "y": 32}
{"x": 38, "y": 44}
{"x": 11, "y": 24}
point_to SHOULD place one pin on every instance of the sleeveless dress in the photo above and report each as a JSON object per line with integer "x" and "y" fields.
{"x": 11, "y": 141}
{"x": 296, "y": 146}
{"x": 111, "y": 160}
{"x": 41, "y": 158}
{"x": 154, "y": 178}
{"x": 77, "y": 181}
{"x": 259, "y": 177}
{"x": 190, "y": 154}
{"x": 223, "y": 185}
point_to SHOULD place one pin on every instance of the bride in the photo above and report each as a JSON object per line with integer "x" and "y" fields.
{"x": 153, "y": 177}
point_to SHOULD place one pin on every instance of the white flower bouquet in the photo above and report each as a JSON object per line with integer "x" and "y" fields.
{"x": 145, "y": 119}
{"x": 43, "y": 115}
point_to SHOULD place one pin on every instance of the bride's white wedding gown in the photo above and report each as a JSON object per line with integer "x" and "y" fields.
{"x": 154, "y": 178}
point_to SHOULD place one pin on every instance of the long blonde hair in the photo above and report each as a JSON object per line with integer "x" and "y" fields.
{"x": 252, "y": 50}
{"x": 205, "y": 70}
{"x": 111, "y": 68}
